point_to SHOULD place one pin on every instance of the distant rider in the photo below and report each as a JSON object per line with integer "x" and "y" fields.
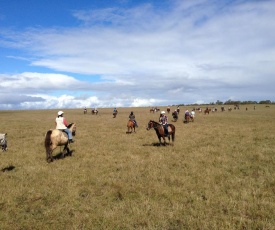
{"x": 163, "y": 119}
{"x": 175, "y": 115}
{"x": 61, "y": 124}
{"x": 132, "y": 117}
{"x": 187, "y": 113}
{"x": 192, "y": 113}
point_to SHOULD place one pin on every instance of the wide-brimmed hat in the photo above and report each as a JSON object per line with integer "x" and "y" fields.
{"x": 162, "y": 112}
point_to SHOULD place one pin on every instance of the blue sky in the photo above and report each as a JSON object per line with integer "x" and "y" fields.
{"x": 76, "y": 54}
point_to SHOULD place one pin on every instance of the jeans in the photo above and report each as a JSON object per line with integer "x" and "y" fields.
{"x": 70, "y": 136}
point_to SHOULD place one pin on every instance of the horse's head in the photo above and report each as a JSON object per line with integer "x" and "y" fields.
{"x": 72, "y": 127}
{"x": 150, "y": 125}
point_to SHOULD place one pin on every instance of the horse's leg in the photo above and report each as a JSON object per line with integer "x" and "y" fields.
{"x": 64, "y": 150}
{"x": 164, "y": 141}
{"x": 49, "y": 157}
{"x": 69, "y": 152}
{"x": 159, "y": 137}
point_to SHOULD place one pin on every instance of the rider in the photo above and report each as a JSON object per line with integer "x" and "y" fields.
{"x": 133, "y": 118}
{"x": 175, "y": 114}
{"x": 193, "y": 113}
{"x": 187, "y": 113}
{"x": 163, "y": 119}
{"x": 115, "y": 110}
{"x": 62, "y": 124}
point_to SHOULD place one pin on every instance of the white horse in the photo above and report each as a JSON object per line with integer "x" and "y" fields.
{"x": 3, "y": 141}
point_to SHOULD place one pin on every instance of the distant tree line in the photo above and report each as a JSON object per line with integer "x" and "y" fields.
{"x": 232, "y": 102}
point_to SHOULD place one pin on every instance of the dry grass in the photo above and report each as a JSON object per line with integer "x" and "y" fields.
{"x": 220, "y": 173}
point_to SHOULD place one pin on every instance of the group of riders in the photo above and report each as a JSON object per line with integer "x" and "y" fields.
{"x": 187, "y": 114}
{"x": 61, "y": 123}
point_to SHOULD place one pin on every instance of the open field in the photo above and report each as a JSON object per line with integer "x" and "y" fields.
{"x": 220, "y": 174}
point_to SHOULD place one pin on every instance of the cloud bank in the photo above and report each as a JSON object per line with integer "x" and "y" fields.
{"x": 188, "y": 52}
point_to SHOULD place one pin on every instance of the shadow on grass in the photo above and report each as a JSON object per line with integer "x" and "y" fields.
{"x": 157, "y": 144}
{"x": 59, "y": 155}
{"x": 7, "y": 169}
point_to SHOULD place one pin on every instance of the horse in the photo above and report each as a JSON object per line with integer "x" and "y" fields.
{"x": 160, "y": 131}
{"x": 114, "y": 114}
{"x": 178, "y": 110}
{"x": 54, "y": 138}
{"x": 3, "y": 142}
{"x": 206, "y": 111}
{"x": 187, "y": 118}
{"x": 175, "y": 116}
{"x": 94, "y": 111}
{"x": 131, "y": 126}
{"x": 85, "y": 111}
{"x": 168, "y": 110}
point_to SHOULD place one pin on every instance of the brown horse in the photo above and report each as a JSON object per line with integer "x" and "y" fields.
{"x": 206, "y": 111}
{"x": 85, "y": 111}
{"x": 114, "y": 114}
{"x": 168, "y": 110}
{"x": 131, "y": 126}
{"x": 54, "y": 138}
{"x": 160, "y": 131}
{"x": 187, "y": 118}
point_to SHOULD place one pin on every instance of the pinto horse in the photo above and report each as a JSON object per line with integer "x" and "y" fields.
{"x": 131, "y": 126}
{"x": 56, "y": 137}
{"x": 94, "y": 112}
{"x": 160, "y": 131}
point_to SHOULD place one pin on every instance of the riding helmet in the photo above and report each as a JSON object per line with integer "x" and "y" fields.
{"x": 60, "y": 113}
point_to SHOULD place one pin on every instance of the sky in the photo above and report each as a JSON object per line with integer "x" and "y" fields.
{"x": 58, "y": 54}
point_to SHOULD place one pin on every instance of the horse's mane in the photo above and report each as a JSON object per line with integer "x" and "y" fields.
{"x": 157, "y": 123}
{"x": 70, "y": 125}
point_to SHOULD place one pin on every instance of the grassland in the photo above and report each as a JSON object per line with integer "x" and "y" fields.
{"x": 220, "y": 174}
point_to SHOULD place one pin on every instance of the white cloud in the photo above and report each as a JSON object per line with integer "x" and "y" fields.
{"x": 191, "y": 51}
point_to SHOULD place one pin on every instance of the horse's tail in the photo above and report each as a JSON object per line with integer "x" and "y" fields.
{"x": 48, "y": 141}
{"x": 173, "y": 132}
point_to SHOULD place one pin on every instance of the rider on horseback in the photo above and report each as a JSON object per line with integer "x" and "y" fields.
{"x": 187, "y": 114}
{"x": 133, "y": 118}
{"x": 62, "y": 124}
{"x": 163, "y": 119}
{"x": 175, "y": 115}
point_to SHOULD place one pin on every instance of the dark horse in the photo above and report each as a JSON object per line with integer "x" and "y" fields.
{"x": 160, "y": 131}
{"x": 175, "y": 115}
{"x": 54, "y": 138}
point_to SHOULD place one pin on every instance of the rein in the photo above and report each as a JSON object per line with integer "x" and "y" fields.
{"x": 155, "y": 124}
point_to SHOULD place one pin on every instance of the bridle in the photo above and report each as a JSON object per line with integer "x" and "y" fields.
{"x": 152, "y": 124}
